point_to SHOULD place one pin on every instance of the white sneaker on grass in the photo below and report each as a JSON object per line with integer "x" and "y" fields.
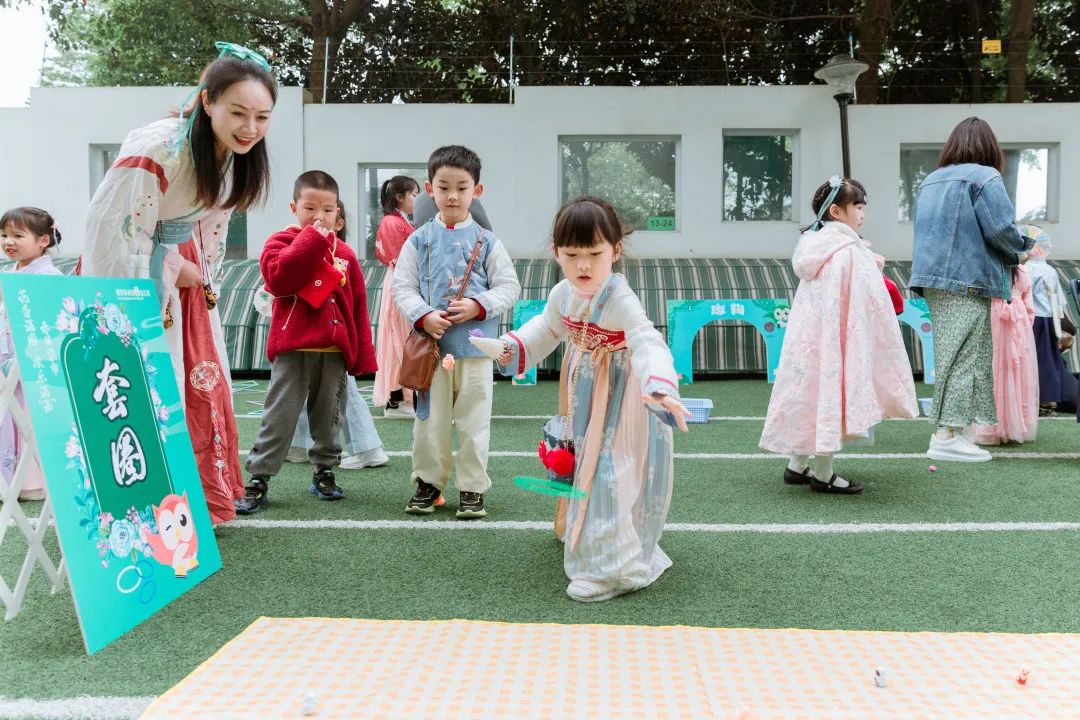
{"x": 372, "y": 458}
{"x": 401, "y": 412}
{"x": 956, "y": 448}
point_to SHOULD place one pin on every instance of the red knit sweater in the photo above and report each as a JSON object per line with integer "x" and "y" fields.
{"x": 290, "y": 261}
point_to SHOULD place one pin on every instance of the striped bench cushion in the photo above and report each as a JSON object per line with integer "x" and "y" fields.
{"x": 720, "y": 347}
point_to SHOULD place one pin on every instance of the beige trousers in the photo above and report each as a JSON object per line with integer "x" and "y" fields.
{"x": 461, "y": 399}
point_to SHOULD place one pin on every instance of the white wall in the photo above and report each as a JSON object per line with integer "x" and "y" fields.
{"x": 878, "y": 131}
{"x": 45, "y": 155}
{"x": 49, "y": 143}
{"x": 341, "y": 138}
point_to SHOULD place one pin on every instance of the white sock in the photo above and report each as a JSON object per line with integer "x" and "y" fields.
{"x": 823, "y": 471}
{"x": 798, "y": 463}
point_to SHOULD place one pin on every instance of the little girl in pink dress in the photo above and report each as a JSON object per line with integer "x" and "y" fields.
{"x": 26, "y": 233}
{"x": 1016, "y": 370}
{"x": 843, "y": 368}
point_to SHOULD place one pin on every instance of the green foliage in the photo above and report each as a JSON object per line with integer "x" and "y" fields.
{"x": 615, "y": 171}
{"x": 141, "y": 42}
{"x": 459, "y": 50}
{"x": 757, "y": 177}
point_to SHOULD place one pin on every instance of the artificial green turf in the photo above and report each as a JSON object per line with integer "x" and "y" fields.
{"x": 1014, "y": 581}
{"x": 1017, "y": 582}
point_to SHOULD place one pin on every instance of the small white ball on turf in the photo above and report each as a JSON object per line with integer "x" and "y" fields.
{"x": 309, "y": 705}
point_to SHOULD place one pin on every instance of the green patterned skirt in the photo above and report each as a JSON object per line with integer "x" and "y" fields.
{"x": 963, "y": 359}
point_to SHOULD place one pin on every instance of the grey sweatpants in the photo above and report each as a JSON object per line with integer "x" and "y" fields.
{"x": 318, "y": 378}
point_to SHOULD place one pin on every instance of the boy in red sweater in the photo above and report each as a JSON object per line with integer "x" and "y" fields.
{"x": 319, "y": 331}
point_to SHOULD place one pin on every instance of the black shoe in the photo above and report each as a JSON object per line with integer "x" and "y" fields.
{"x": 323, "y": 485}
{"x": 254, "y": 497}
{"x": 793, "y": 478}
{"x": 423, "y": 500}
{"x": 471, "y": 505}
{"x": 828, "y": 487}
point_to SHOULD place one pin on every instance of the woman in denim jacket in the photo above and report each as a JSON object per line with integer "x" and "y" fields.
{"x": 965, "y": 245}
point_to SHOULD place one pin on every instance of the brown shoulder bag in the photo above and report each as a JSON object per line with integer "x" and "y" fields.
{"x": 421, "y": 354}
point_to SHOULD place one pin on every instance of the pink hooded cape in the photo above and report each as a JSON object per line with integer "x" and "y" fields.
{"x": 843, "y": 368}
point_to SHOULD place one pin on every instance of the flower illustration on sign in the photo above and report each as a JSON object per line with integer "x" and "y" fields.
{"x": 122, "y": 538}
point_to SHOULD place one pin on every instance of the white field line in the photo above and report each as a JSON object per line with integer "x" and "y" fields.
{"x": 761, "y": 528}
{"x": 84, "y": 707}
{"x": 770, "y": 456}
{"x": 721, "y": 418}
{"x": 545, "y": 525}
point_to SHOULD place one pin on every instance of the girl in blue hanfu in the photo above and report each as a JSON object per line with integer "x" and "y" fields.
{"x": 162, "y": 212}
{"x": 620, "y": 391}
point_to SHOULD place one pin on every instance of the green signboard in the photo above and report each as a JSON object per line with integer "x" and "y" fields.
{"x": 660, "y": 222}
{"x": 119, "y": 468}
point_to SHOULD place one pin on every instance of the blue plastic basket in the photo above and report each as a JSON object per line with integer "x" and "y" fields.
{"x": 699, "y": 409}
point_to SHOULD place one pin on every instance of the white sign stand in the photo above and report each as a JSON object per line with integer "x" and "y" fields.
{"x": 11, "y": 513}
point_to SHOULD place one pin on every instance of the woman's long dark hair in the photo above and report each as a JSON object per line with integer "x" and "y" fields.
{"x": 251, "y": 171}
{"x": 972, "y": 141}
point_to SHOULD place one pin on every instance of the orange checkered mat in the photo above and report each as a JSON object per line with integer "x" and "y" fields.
{"x": 465, "y": 669}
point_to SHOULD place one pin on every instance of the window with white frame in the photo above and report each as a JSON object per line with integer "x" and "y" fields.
{"x": 102, "y": 157}
{"x": 758, "y": 174}
{"x": 371, "y": 179}
{"x": 1029, "y": 178}
{"x": 636, "y": 174}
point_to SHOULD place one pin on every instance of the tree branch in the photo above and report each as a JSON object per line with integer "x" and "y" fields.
{"x": 301, "y": 21}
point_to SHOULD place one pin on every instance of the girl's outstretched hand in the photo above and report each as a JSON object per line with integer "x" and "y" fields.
{"x": 672, "y": 405}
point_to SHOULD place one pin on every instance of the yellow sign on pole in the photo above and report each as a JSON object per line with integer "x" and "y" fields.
{"x": 991, "y": 47}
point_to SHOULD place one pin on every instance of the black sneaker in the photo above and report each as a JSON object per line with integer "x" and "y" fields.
{"x": 423, "y": 500}
{"x": 323, "y": 485}
{"x": 793, "y": 478}
{"x": 471, "y": 505}
{"x": 254, "y": 496}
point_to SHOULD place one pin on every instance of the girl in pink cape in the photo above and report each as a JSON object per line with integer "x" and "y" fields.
{"x": 843, "y": 368}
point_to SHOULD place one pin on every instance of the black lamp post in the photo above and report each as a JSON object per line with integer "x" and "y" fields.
{"x": 840, "y": 73}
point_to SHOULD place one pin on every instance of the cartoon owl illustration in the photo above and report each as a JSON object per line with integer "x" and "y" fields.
{"x": 175, "y": 544}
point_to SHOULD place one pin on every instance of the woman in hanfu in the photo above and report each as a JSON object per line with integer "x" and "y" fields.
{"x": 162, "y": 211}
{"x": 620, "y": 390}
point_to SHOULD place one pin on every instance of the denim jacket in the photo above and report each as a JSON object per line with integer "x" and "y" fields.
{"x": 964, "y": 234}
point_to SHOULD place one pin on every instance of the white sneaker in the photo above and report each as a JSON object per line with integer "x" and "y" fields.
{"x": 296, "y": 455}
{"x": 592, "y": 591}
{"x": 402, "y": 412}
{"x": 956, "y": 448}
{"x": 372, "y": 458}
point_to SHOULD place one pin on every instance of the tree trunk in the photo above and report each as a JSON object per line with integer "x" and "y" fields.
{"x": 329, "y": 21}
{"x": 320, "y": 32}
{"x": 1021, "y": 15}
{"x": 873, "y": 28}
{"x": 975, "y": 56}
